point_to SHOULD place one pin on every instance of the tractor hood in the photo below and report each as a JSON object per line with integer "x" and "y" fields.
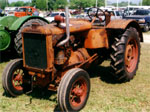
{"x": 54, "y": 29}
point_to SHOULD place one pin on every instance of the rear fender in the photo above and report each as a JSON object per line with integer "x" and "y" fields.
{"x": 124, "y": 24}
{"x": 7, "y": 21}
{"x": 19, "y": 22}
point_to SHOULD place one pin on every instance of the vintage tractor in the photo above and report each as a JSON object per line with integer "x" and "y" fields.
{"x": 25, "y": 11}
{"x": 56, "y": 57}
{"x": 10, "y": 31}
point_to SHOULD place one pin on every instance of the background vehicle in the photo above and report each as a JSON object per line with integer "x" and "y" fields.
{"x": 25, "y": 11}
{"x": 142, "y": 16}
{"x": 115, "y": 14}
{"x": 10, "y": 31}
{"x": 56, "y": 57}
{"x": 51, "y": 16}
{"x": 9, "y": 11}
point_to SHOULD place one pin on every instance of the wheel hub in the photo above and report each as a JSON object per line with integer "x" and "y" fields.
{"x": 17, "y": 79}
{"x": 78, "y": 92}
{"x": 131, "y": 55}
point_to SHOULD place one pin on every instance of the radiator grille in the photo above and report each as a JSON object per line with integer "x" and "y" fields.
{"x": 35, "y": 50}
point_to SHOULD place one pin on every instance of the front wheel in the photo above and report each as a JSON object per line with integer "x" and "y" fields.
{"x": 73, "y": 90}
{"x": 12, "y": 78}
{"x": 125, "y": 55}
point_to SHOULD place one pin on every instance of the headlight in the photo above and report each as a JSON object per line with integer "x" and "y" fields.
{"x": 141, "y": 20}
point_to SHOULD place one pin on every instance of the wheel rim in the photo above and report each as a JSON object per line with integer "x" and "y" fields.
{"x": 17, "y": 79}
{"x": 78, "y": 93}
{"x": 131, "y": 55}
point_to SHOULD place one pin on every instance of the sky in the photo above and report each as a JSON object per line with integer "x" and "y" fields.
{"x": 134, "y": 1}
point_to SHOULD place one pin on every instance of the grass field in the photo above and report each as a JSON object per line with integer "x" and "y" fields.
{"x": 105, "y": 95}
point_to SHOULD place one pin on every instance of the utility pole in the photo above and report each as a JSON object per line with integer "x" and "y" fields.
{"x": 96, "y": 4}
{"x": 128, "y": 6}
{"x": 47, "y": 5}
{"x": 6, "y": 2}
{"x": 105, "y": 3}
{"x": 117, "y": 5}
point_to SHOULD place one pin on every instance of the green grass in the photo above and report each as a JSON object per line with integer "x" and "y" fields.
{"x": 105, "y": 95}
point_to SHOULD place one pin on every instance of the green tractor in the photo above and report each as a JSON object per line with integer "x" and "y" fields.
{"x": 10, "y": 31}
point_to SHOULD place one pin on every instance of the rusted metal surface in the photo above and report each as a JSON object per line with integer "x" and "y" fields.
{"x": 88, "y": 61}
{"x": 49, "y": 48}
{"x": 119, "y": 24}
{"x": 108, "y": 17}
{"x": 123, "y": 24}
{"x": 75, "y": 26}
{"x": 96, "y": 38}
{"x": 78, "y": 56}
{"x": 59, "y": 19}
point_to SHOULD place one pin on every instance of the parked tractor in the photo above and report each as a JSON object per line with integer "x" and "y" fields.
{"x": 57, "y": 56}
{"x": 25, "y": 11}
{"x": 10, "y": 31}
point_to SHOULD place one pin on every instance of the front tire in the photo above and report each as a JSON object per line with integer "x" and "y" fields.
{"x": 125, "y": 55}
{"x": 12, "y": 78}
{"x": 18, "y": 38}
{"x": 73, "y": 90}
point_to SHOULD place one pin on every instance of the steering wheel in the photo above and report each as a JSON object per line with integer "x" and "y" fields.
{"x": 101, "y": 15}
{"x": 98, "y": 13}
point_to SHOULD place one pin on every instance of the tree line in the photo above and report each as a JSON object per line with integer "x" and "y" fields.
{"x": 53, "y": 4}
{"x": 57, "y": 4}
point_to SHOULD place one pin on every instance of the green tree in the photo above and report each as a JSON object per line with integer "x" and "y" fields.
{"x": 81, "y": 4}
{"x": 3, "y": 4}
{"x": 146, "y": 2}
{"x": 33, "y": 3}
{"x": 41, "y": 4}
{"x": 60, "y": 4}
{"x": 51, "y": 4}
{"x": 17, "y": 4}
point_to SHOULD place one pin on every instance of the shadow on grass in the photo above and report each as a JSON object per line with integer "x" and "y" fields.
{"x": 57, "y": 109}
{"x": 8, "y": 55}
{"x": 104, "y": 73}
{"x": 45, "y": 94}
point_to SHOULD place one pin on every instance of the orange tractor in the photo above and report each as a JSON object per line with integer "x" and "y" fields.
{"x": 25, "y": 11}
{"x": 56, "y": 56}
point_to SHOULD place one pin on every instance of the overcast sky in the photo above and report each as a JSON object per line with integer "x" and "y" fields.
{"x": 134, "y": 1}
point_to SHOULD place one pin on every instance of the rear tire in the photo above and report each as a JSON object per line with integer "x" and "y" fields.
{"x": 74, "y": 90}
{"x": 18, "y": 38}
{"x": 125, "y": 55}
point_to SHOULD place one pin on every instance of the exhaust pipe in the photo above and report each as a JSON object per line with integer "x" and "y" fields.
{"x": 67, "y": 26}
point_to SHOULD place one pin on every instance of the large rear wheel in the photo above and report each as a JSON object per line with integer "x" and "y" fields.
{"x": 18, "y": 38}
{"x": 73, "y": 90}
{"x": 125, "y": 55}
